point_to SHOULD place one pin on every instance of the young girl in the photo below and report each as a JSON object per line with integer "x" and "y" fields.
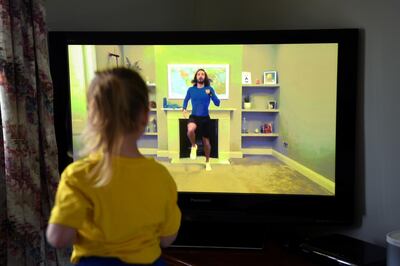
{"x": 115, "y": 206}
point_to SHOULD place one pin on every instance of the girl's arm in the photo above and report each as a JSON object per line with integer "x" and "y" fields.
{"x": 166, "y": 241}
{"x": 60, "y": 236}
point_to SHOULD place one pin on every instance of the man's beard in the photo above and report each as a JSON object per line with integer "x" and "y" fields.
{"x": 200, "y": 81}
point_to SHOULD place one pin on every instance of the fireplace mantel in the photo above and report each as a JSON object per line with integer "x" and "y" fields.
{"x": 211, "y": 110}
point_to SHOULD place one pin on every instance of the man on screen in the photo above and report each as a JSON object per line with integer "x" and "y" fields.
{"x": 200, "y": 94}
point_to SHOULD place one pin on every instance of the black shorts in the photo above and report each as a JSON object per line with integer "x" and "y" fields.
{"x": 203, "y": 124}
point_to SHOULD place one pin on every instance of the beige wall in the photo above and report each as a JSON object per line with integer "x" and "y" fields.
{"x": 307, "y": 77}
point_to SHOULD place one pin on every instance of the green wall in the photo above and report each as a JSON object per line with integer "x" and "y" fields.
{"x": 195, "y": 54}
{"x": 82, "y": 64}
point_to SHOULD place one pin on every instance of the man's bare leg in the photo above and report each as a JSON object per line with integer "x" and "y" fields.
{"x": 207, "y": 148}
{"x": 191, "y": 128}
{"x": 192, "y": 138}
{"x": 207, "y": 151}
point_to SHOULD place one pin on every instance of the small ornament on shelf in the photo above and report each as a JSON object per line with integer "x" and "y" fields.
{"x": 154, "y": 125}
{"x": 244, "y": 125}
{"x": 247, "y": 103}
{"x": 246, "y": 78}
{"x": 268, "y": 127}
{"x": 271, "y": 105}
{"x": 170, "y": 105}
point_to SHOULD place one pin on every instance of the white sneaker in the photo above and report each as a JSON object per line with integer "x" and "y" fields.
{"x": 208, "y": 166}
{"x": 193, "y": 152}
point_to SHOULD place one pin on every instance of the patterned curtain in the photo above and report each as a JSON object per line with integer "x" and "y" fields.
{"x": 28, "y": 151}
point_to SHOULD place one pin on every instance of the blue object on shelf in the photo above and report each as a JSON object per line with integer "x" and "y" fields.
{"x": 172, "y": 105}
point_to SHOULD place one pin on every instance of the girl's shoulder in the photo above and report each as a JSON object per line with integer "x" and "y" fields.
{"x": 158, "y": 166}
{"x": 81, "y": 167}
{"x": 162, "y": 171}
{"x": 148, "y": 167}
{"x": 139, "y": 164}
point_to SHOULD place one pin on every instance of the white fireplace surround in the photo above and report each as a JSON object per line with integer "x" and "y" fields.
{"x": 223, "y": 115}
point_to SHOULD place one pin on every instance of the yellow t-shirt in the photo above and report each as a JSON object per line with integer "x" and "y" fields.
{"x": 123, "y": 219}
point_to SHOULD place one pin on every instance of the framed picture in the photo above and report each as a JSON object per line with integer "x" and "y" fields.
{"x": 270, "y": 77}
{"x": 180, "y": 78}
{"x": 246, "y": 77}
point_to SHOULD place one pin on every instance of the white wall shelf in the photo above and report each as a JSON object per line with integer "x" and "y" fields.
{"x": 260, "y": 110}
{"x": 150, "y": 133}
{"x": 260, "y": 135}
{"x": 260, "y": 85}
{"x": 259, "y": 143}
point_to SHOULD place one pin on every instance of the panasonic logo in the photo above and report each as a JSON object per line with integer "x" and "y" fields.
{"x": 200, "y": 200}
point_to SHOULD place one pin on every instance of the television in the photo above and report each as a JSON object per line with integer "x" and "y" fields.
{"x": 282, "y": 138}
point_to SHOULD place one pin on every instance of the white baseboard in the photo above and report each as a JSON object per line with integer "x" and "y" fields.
{"x": 235, "y": 154}
{"x": 148, "y": 151}
{"x": 162, "y": 153}
{"x": 256, "y": 151}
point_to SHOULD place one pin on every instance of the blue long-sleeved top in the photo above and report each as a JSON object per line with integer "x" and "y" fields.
{"x": 200, "y": 100}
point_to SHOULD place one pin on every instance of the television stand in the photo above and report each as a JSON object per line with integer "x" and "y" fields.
{"x": 331, "y": 249}
{"x": 344, "y": 250}
{"x": 273, "y": 253}
{"x": 221, "y": 235}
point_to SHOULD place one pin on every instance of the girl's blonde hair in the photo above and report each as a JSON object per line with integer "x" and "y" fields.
{"x": 117, "y": 99}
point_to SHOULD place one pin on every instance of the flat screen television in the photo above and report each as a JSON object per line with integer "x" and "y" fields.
{"x": 282, "y": 138}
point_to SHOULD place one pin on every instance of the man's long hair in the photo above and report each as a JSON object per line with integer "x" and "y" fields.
{"x": 207, "y": 80}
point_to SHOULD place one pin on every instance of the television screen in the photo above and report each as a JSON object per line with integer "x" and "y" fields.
{"x": 272, "y": 132}
{"x": 281, "y": 107}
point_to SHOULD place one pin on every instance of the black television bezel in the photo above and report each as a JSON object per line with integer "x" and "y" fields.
{"x": 269, "y": 208}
